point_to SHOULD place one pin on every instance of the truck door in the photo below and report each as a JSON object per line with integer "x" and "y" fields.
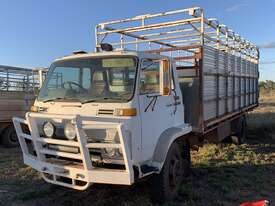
{"x": 156, "y": 110}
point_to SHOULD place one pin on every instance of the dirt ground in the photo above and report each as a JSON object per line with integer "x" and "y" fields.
{"x": 224, "y": 174}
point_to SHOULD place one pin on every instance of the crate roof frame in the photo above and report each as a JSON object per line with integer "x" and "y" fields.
{"x": 188, "y": 34}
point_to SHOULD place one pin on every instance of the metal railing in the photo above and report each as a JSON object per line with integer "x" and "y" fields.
{"x": 20, "y": 79}
{"x": 177, "y": 33}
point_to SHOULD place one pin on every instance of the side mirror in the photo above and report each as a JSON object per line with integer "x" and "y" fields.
{"x": 165, "y": 84}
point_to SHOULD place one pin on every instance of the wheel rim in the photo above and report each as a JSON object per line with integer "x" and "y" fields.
{"x": 174, "y": 172}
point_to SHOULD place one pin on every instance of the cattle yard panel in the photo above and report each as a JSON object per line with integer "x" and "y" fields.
{"x": 18, "y": 88}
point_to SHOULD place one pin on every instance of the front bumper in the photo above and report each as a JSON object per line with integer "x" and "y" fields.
{"x": 73, "y": 170}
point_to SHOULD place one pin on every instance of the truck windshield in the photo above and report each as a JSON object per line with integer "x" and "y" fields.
{"x": 90, "y": 80}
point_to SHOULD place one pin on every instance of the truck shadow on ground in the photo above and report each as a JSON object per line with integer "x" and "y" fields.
{"x": 229, "y": 185}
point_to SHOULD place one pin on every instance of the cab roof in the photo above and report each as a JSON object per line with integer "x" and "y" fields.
{"x": 139, "y": 54}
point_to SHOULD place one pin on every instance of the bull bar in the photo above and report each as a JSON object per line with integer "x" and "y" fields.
{"x": 85, "y": 173}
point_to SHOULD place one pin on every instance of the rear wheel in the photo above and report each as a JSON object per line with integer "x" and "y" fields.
{"x": 186, "y": 159}
{"x": 176, "y": 167}
{"x": 240, "y": 136}
{"x": 9, "y": 137}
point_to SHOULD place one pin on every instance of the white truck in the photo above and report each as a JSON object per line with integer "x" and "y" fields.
{"x": 18, "y": 87}
{"x": 156, "y": 85}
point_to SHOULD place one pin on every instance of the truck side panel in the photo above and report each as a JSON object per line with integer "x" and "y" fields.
{"x": 229, "y": 86}
{"x": 14, "y": 103}
{"x": 221, "y": 73}
{"x": 18, "y": 87}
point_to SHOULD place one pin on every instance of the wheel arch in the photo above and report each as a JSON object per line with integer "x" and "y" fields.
{"x": 165, "y": 140}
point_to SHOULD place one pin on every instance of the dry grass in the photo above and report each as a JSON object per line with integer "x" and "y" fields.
{"x": 223, "y": 174}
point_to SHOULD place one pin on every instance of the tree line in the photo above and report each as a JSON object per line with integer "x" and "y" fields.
{"x": 267, "y": 87}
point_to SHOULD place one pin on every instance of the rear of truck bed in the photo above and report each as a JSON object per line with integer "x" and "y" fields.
{"x": 18, "y": 88}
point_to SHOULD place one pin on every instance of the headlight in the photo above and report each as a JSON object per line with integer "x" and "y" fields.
{"x": 48, "y": 129}
{"x": 69, "y": 131}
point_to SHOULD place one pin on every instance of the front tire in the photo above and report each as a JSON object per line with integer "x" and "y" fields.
{"x": 176, "y": 167}
{"x": 9, "y": 137}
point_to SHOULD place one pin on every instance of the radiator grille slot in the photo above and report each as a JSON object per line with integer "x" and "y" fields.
{"x": 105, "y": 112}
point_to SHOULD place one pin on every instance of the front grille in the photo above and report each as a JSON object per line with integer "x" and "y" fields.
{"x": 61, "y": 148}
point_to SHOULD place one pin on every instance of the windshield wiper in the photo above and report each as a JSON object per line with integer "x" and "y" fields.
{"x": 53, "y": 99}
{"x": 118, "y": 98}
{"x": 104, "y": 98}
{"x": 88, "y": 101}
{"x": 59, "y": 98}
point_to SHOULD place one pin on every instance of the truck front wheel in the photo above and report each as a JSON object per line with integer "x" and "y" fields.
{"x": 167, "y": 183}
{"x": 9, "y": 137}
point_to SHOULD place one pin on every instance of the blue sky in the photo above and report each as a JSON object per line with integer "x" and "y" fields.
{"x": 35, "y": 32}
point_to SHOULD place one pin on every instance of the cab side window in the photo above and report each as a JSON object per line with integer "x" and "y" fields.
{"x": 149, "y": 77}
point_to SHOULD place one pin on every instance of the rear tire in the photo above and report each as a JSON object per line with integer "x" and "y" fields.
{"x": 240, "y": 136}
{"x": 243, "y": 132}
{"x": 186, "y": 159}
{"x": 9, "y": 137}
{"x": 165, "y": 185}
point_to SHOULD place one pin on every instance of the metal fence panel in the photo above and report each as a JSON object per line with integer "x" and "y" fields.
{"x": 229, "y": 83}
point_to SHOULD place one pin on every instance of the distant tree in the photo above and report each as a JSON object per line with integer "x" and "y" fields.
{"x": 262, "y": 85}
{"x": 267, "y": 87}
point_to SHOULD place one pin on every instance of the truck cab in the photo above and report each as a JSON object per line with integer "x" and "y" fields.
{"x": 116, "y": 112}
{"x": 133, "y": 89}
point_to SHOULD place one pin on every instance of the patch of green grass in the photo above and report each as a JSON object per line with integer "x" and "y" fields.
{"x": 227, "y": 174}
